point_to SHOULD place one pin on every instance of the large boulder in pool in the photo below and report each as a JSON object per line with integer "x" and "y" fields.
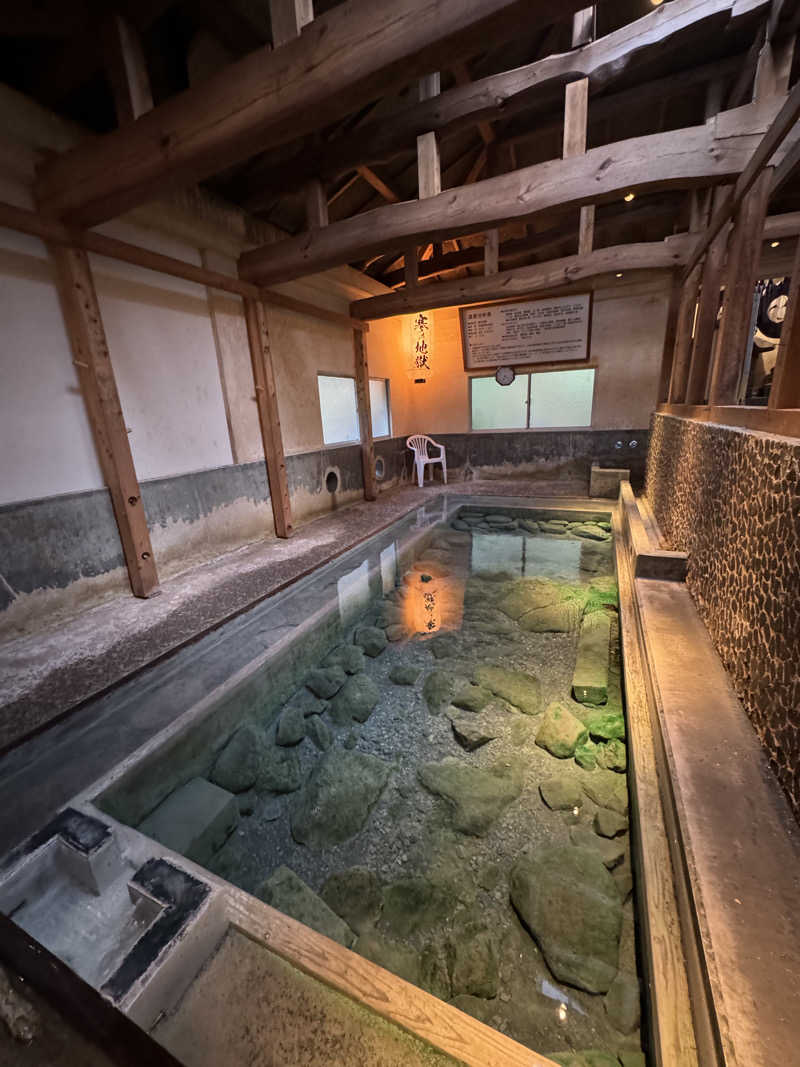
{"x": 520, "y": 689}
{"x": 571, "y": 905}
{"x": 349, "y": 657}
{"x": 338, "y": 798}
{"x": 371, "y": 639}
{"x": 560, "y": 732}
{"x": 237, "y": 766}
{"x": 528, "y": 594}
{"x": 476, "y": 796}
{"x": 288, "y": 893}
{"x": 560, "y": 618}
{"x": 355, "y": 700}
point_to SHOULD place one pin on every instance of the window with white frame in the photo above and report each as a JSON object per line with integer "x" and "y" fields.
{"x": 339, "y": 408}
{"x": 545, "y": 399}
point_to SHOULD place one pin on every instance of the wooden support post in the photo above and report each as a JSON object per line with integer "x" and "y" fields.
{"x": 706, "y": 321}
{"x": 316, "y": 205}
{"x": 411, "y": 267}
{"x": 288, "y": 17}
{"x": 576, "y": 105}
{"x": 126, "y": 69}
{"x": 668, "y": 351}
{"x": 364, "y": 415}
{"x": 785, "y": 391}
{"x": 99, "y": 388}
{"x": 491, "y": 252}
{"x": 683, "y": 338}
{"x": 744, "y": 248}
{"x": 429, "y": 168}
{"x": 267, "y": 399}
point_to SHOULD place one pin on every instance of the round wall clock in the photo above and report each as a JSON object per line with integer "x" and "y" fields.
{"x": 504, "y": 375}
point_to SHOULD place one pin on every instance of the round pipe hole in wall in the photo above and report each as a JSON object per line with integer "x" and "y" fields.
{"x": 380, "y": 469}
{"x": 331, "y": 480}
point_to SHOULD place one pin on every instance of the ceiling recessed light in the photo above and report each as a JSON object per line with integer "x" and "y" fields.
{"x": 774, "y": 244}
{"x": 619, "y": 273}
{"x": 628, "y": 197}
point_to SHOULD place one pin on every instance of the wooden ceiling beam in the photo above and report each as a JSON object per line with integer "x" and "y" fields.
{"x": 273, "y": 96}
{"x": 679, "y": 158}
{"x": 552, "y": 276}
{"x": 496, "y": 97}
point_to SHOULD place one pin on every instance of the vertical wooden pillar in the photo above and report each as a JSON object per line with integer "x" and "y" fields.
{"x": 99, "y": 388}
{"x": 364, "y": 415}
{"x": 785, "y": 391}
{"x": 576, "y": 103}
{"x": 668, "y": 351}
{"x": 683, "y": 338}
{"x": 269, "y": 420}
{"x": 126, "y": 68}
{"x": 491, "y": 252}
{"x": 744, "y": 247}
{"x": 706, "y": 322}
{"x": 316, "y": 205}
{"x": 429, "y": 170}
{"x": 288, "y": 17}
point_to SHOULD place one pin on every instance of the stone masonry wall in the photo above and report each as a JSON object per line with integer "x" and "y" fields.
{"x": 731, "y": 499}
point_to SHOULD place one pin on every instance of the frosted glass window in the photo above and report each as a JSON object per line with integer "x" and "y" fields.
{"x": 499, "y": 407}
{"x": 337, "y": 405}
{"x": 562, "y": 398}
{"x": 379, "y": 403}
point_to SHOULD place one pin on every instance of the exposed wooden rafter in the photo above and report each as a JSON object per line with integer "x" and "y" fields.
{"x": 678, "y": 158}
{"x": 270, "y": 97}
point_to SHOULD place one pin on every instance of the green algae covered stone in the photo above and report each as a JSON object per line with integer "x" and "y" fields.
{"x": 560, "y": 732}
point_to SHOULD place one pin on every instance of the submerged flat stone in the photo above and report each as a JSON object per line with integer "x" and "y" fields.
{"x": 570, "y": 904}
{"x": 475, "y": 966}
{"x": 393, "y": 957}
{"x": 337, "y": 799}
{"x": 607, "y": 790}
{"x": 559, "y": 618}
{"x": 438, "y": 689}
{"x": 472, "y": 697}
{"x": 528, "y": 594}
{"x": 611, "y": 852}
{"x": 414, "y": 904}
{"x": 520, "y": 689}
{"x": 472, "y": 731}
{"x": 613, "y": 756}
{"x": 287, "y": 892}
{"x": 194, "y": 820}
{"x": 590, "y": 679}
{"x": 609, "y": 823}
{"x": 477, "y": 797}
{"x": 444, "y": 646}
{"x": 623, "y": 1003}
{"x": 402, "y": 674}
{"x": 560, "y": 732}
{"x": 590, "y": 531}
{"x": 561, "y": 794}
{"x": 308, "y": 703}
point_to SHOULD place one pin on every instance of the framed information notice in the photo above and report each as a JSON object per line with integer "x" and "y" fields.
{"x": 551, "y": 330}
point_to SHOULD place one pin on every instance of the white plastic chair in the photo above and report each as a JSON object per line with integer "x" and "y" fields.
{"x": 419, "y": 443}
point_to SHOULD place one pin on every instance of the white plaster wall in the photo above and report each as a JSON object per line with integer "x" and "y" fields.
{"x": 46, "y": 445}
{"x": 162, "y": 346}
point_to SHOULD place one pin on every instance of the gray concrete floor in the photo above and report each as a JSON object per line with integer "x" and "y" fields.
{"x": 45, "y": 673}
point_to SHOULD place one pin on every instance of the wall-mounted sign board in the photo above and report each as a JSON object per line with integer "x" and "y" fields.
{"x": 550, "y": 330}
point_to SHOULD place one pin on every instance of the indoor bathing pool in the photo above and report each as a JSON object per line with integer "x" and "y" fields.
{"x": 436, "y": 778}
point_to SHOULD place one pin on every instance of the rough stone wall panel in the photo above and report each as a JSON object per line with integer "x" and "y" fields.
{"x": 731, "y": 499}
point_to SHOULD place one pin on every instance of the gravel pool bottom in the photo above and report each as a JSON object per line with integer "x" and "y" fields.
{"x": 447, "y": 794}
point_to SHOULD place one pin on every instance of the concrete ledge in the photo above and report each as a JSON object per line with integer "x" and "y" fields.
{"x": 648, "y": 559}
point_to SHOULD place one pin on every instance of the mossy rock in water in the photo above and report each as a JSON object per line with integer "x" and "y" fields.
{"x": 310, "y": 704}
{"x": 472, "y": 731}
{"x": 613, "y": 756}
{"x": 560, "y": 618}
{"x": 237, "y": 766}
{"x": 337, "y": 799}
{"x": 472, "y": 697}
{"x": 398, "y": 959}
{"x": 590, "y": 678}
{"x": 611, "y": 852}
{"x": 355, "y": 700}
{"x": 587, "y": 1058}
{"x": 609, "y": 823}
{"x": 607, "y": 790}
{"x": 414, "y": 904}
{"x": 569, "y": 902}
{"x": 474, "y": 969}
{"x": 529, "y": 594}
{"x": 349, "y": 657}
{"x": 324, "y": 682}
{"x": 291, "y": 727}
{"x": 388, "y": 615}
{"x": 623, "y": 1003}
{"x": 560, "y": 732}
{"x": 586, "y": 754}
{"x": 356, "y": 896}
{"x": 603, "y": 595}
{"x": 561, "y": 793}
{"x": 607, "y": 724}
{"x": 318, "y": 731}
{"x": 476, "y": 796}
{"x": 590, "y": 531}
{"x": 438, "y": 689}
{"x": 443, "y": 646}
{"x": 434, "y": 971}
{"x": 404, "y": 674}
{"x": 279, "y": 771}
{"x": 288, "y": 893}
{"x": 371, "y": 639}
{"x": 520, "y": 689}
